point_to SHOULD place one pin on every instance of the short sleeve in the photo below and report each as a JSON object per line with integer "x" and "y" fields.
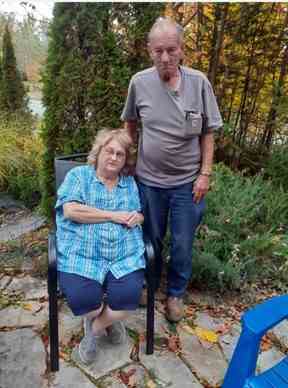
{"x": 212, "y": 116}
{"x": 71, "y": 189}
{"x": 130, "y": 109}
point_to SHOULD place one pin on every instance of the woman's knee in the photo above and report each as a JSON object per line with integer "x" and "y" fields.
{"x": 124, "y": 293}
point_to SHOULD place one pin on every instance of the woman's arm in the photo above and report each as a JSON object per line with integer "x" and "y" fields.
{"x": 84, "y": 214}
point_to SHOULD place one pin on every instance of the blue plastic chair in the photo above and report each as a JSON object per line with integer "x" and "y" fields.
{"x": 255, "y": 323}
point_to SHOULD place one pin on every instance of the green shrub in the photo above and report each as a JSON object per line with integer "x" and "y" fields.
{"x": 275, "y": 167}
{"x": 243, "y": 236}
{"x": 20, "y": 159}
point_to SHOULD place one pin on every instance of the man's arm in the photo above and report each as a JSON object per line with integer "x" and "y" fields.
{"x": 201, "y": 185}
{"x": 131, "y": 127}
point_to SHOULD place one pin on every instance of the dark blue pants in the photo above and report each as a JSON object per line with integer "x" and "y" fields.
{"x": 184, "y": 216}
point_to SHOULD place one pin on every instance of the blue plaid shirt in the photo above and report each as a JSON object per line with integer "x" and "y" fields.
{"x": 91, "y": 250}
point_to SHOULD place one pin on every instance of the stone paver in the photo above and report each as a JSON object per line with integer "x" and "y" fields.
{"x": 207, "y": 363}
{"x": 281, "y": 333}
{"x": 69, "y": 325}
{"x": 228, "y": 341}
{"x": 169, "y": 371}
{"x": 268, "y": 359}
{"x": 137, "y": 321}
{"x": 25, "y": 225}
{"x": 4, "y": 281}
{"x": 70, "y": 377}
{"x": 109, "y": 358}
{"x": 29, "y": 287}
{"x": 204, "y": 321}
{"x": 32, "y": 314}
{"x": 22, "y": 359}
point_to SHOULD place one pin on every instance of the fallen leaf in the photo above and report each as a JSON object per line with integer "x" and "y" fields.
{"x": 134, "y": 354}
{"x": 174, "y": 344}
{"x": 206, "y": 335}
{"x": 64, "y": 355}
{"x": 150, "y": 384}
{"x": 266, "y": 343}
{"x": 223, "y": 329}
{"x": 188, "y": 329}
{"x": 125, "y": 377}
{"x": 27, "y": 306}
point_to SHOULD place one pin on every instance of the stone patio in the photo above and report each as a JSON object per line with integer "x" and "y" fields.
{"x": 24, "y": 347}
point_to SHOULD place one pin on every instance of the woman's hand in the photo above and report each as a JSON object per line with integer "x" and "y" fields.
{"x": 120, "y": 217}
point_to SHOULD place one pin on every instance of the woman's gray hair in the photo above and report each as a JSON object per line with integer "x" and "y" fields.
{"x": 103, "y": 137}
{"x": 164, "y": 23}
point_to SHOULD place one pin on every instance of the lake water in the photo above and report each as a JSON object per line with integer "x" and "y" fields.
{"x": 36, "y": 106}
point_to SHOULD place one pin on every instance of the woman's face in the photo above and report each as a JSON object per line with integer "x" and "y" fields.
{"x": 111, "y": 158}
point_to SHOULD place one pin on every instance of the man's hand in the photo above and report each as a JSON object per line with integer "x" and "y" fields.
{"x": 135, "y": 219}
{"x": 200, "y": 187}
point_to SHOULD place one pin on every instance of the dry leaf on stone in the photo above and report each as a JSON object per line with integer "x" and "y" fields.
{"x": 224, "y": 328}
{"x": 134, "y": 355}
{"x": 126, "y": 377}
{"x": 27, "y": 306}
{"x": 174, "y": 344}
{"x": 188, "y": 329}
{"x": 150, "y": 384}
{"x": 206, "y": 335}
{"x": 266, "y": 343}
{"x": 64, "y": 356}
{"x": 202, "y": 334}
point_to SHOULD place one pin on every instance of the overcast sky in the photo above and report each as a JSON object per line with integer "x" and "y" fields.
{"x": 43, "y": 7}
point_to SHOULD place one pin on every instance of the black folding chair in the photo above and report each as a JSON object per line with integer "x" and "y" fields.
{"x": 62, "y": 165}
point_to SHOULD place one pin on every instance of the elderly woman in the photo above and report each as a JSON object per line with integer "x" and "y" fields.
{"x": 99, "y": 241}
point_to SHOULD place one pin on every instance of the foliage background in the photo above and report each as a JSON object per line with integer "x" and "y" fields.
{"x": 94, "y": 49}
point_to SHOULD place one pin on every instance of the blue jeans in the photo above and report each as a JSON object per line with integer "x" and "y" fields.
{"x": 184, "y": 215}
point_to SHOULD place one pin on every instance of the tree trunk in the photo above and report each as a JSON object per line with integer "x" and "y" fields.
{"x": 217, "y": 40}
{"x": 272, "y": 115}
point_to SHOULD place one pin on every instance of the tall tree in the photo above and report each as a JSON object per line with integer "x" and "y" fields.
{"x": 13, "y": 92}
{"x": 90, "y": 62}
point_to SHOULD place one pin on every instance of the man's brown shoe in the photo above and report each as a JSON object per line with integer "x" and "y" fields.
{"x": 174, "y": 309}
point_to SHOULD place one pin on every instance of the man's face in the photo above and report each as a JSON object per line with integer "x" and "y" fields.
{"x": 166, "y": 52}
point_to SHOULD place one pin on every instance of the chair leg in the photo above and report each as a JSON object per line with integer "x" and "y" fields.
{"x": 150, "y": 312}
{"x": 53, "y": 330}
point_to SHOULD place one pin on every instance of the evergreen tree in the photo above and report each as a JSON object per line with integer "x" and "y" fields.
{"x": 13, "y": 92}
{"x": 85, "y": 79}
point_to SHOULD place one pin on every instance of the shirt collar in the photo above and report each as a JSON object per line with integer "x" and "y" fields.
{"x": 121, "y": 182}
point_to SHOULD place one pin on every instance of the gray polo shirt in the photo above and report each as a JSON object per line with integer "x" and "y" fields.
{"x": 169, "y": 141}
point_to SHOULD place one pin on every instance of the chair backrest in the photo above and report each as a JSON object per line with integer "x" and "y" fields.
{"x": 63, "y": 164}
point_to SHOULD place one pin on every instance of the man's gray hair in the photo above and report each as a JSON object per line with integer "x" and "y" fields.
{"x": 164, "y": 23}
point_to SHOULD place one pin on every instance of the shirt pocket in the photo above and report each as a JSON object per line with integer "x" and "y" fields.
{"x": 193, "y": 123}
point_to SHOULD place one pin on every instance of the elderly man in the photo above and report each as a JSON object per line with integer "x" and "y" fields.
{"x": 178, "y": 113}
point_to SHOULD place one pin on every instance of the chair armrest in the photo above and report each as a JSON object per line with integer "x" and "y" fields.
{"x": 52, "y": 262}
{"x": 264, "y": 316}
